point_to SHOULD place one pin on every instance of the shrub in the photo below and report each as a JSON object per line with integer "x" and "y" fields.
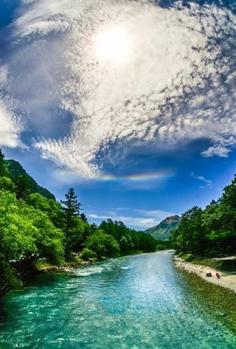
{"x": 88, "y": 254}
{"x": 103, "y": 244}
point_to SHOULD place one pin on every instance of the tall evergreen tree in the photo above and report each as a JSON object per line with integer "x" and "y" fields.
{"x": 84, "y": 218}
{"x": 2, "y": 170}
{"x": 71, "y": 221}
{"x": 71, "y": 210}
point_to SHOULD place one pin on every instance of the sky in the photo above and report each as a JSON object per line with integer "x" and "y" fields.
{"x": 131, "y": 102}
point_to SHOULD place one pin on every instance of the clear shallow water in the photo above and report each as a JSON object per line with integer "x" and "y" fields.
{"x": 134, "y": 302}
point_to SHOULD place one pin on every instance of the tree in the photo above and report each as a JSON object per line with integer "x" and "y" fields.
{"x": 220, "y": 222}
{"x": 25, "y": 231}
{"x": 229, "y": 195}
{"x": 76, "y": 237}
{"x": 103, "y": 244}
{"x": 212, "y": 231}
{"x": 84, "y": 218}
{"x": 93, "y": 227}
{"x": 48, "y": 238}
{"x": 2, "y": 169}
{"x": 71, "y": 212}
{"x": 71, "y": 209}
{"x": 129, "y": 240}
{"x": 49, "y": 206}
{"x": 7, "y": 184}
{"x": 23, "y": 187}
{"x": 190, "y": 236}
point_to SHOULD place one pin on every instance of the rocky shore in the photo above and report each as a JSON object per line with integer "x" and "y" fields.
{"x": 226, "y": 280}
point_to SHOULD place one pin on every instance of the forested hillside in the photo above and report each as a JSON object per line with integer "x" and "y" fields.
{"x": 17, "y": 173}
{"x": 162, "y": 231}
{"x": 35, "y": 227}
{"x": 210, "y": 231}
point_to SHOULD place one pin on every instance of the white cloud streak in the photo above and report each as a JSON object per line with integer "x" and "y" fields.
{"x": 206, "y": 182}
{"x": 10, "y": 126}
{"x": 9, "y": 130}
{"x": 217, "y": 150}
{"x": 139, "y": 219}
{"x": 176, "y": 85}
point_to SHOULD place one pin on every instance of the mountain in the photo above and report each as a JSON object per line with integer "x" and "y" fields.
{"x": 162, "y": 230}
{"x": 16, "y": 171}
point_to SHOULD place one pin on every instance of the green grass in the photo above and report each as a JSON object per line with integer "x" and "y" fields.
{"x": 223, "y": 265}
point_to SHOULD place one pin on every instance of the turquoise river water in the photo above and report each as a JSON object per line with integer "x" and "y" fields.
{"x": 138, "y": 302}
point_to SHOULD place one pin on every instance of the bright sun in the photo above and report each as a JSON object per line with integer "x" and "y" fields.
{"x": 113, "y": 45}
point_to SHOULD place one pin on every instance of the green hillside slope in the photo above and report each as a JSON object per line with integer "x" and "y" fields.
{"x": 16, "y": 171}
{"x": 162, "y": 230}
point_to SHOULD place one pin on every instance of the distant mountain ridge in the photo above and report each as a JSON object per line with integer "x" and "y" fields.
{"x": 163, "y": 230}
{"x": 15, "y": 171}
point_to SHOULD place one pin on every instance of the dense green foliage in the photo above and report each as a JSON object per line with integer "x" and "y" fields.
{"x": 129, "y": 240}
{"x": 24, "y": 183}
{"x": 33, "y": 226}
{"x": 103, "y": 244}
{"x": 25, "y": 230}
{"x": 212, "y": 231}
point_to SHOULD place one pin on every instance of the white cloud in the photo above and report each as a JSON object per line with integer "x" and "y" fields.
{"x": 9, "y": 129}
{"x": 10, "y": 126}
{"x": 138, "y": 222}
{"x": 158, "y": 215}
{"x": 202, "y": 179}
{"x": 137, "y": 218}
{"x": 175, "y": 84}
{"x": 142, "y": 181}
{"x": 217, "y": 150}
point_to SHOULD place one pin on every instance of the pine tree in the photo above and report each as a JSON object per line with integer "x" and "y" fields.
{"x": 71, "y": 210}
{"x": 84, "y": 218}
{"x": 2, "y": 170}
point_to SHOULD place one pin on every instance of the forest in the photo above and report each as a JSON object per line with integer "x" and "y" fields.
{"x": 209, "y": 232}
{"x": 35, "y": 227}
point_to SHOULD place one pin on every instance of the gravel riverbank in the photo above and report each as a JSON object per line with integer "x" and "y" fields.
{"x": 227, "y": 280}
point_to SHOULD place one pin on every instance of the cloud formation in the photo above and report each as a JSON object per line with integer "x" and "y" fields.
{"x": 140, "y": 219}
{"x": 175, "y": 84}
{"x": 206, "y": 182}
{"x": 10, "y": 126}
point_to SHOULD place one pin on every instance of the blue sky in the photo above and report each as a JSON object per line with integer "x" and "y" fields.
{"x": 134, "y": 106}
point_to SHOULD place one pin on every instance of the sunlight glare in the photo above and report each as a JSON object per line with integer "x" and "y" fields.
{"x": 113, "y": 45}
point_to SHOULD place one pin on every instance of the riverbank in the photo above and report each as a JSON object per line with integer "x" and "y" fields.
{"x": 64, "y": 268}
{"x": 22, "y": 274}
{"x": 227, "y": 279}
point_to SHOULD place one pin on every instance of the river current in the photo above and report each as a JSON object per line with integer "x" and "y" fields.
{"x": 138, "y": 302}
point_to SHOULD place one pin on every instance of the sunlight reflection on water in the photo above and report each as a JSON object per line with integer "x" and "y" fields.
{"x": 133, "y": 302}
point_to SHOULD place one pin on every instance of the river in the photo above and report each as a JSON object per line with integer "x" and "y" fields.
{"x": 138, "y": 302}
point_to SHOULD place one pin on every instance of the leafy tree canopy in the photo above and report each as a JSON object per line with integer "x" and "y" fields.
{"x": 212, "y": 231}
